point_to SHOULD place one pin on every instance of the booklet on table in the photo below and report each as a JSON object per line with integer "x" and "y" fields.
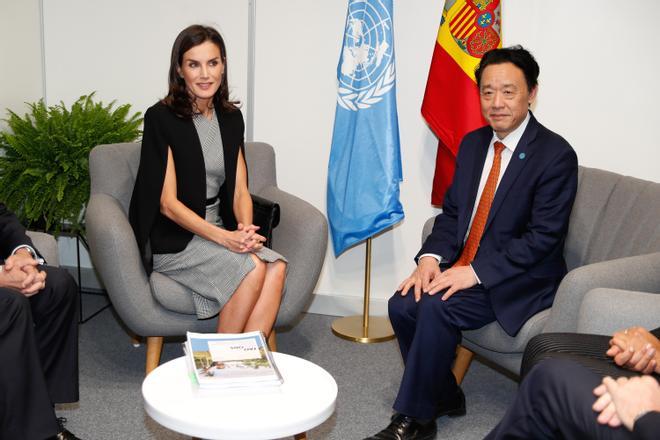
{"x": 224, "y": 360}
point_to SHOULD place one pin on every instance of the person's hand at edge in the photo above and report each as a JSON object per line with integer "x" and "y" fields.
{"x": 637, "y": 349}
{"x": 426, "y": 271}
{"x": 629, "y": 398}
{"x": 452, "y": 280}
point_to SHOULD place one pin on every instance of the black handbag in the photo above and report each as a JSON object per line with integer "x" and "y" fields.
{"x": 266, "y": 215}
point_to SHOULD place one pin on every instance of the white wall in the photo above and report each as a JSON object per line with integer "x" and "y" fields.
{"x": 599, "y": 67}
{"x": 20, "y": 56}
{"x": 121, "y": 48}
{"x": 598, "y": 62}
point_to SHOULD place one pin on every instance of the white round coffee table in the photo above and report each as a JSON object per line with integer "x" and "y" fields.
{"x": 305, "y": 400}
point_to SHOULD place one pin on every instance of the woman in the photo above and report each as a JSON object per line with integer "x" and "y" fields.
{"x": 191, "y": 210}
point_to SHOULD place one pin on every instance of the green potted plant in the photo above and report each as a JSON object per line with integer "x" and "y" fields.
{"x": 44, "y": 169}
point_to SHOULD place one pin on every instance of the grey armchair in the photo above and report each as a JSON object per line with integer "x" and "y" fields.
{"x": 157, "y": 306}
{"x": 623, "y": 309}
{"x": 46, "y": 245}
{"x": 613, "y": 242}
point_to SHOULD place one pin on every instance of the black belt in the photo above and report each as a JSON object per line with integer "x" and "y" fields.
{"x": 211, "y": 200}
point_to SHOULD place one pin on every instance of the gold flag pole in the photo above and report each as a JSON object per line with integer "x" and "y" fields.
{"x": 363, "y": 328}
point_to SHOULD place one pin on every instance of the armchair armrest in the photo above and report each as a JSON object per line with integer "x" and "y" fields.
{"x": 117, "y": 260}
{"x": 301, "y": 237}
{"x": 116, "y": 257}
{"x": 605, "y": 311}
{"x": 427, "y": 228}
{"x": 260, "y": 160}
{"x": 266, "y": 215}
{"x": 637, "y": 273}
{"x": 46, "y": 245}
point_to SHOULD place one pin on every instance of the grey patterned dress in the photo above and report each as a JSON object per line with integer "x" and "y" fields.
{"x": 211, "y": 271}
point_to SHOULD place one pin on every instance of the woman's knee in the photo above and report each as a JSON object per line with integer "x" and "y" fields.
{"x": 277, "y": 269}
{"x": 260, "y": 267}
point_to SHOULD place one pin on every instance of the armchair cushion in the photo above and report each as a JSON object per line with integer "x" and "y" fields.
{"x": 493, "y": 337}
{"x": 640, "y": 272}
{"x": 604, "y": 311}
{"x": 171, "y": 295}
{"x": 614, "y": 216}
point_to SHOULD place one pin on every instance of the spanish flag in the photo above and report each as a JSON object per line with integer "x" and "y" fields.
{"x": 468, "y": 29}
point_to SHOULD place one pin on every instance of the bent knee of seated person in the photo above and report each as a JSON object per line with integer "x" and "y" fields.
{"x": 402, "y": 305}
{"x": 13, "y": 303}
{"x": 560, "y": 375}
{"x": 258, "y": 262}
{"x": 433, "y": 307}
{"x": 62, "y": 283}
{"x": 278, "y": 268}
{"x": 260, "y": 267}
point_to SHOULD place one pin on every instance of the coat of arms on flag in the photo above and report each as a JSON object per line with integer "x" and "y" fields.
{"x": 475, "y": 26}
{"x": 468, "y": 29}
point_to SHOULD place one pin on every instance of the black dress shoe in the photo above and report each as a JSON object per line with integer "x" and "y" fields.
{"x": 64, "y": 434}
{"x": 406, "y": 428}
{"x": 454, "y": 406}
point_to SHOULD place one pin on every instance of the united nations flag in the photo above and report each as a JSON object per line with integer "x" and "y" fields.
{"x": 364, "y": 171}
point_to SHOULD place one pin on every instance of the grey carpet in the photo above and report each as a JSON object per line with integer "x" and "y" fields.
{"x": 111, "y": 373}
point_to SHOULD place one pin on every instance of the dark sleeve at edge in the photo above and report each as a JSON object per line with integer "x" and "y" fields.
{"x": 145, "y": 201}
{"x": 647, "y": 427}
{"x": 12, "y": 232}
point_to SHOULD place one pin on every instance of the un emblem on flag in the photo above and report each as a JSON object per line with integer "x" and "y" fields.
{"x": 366, "y": 67}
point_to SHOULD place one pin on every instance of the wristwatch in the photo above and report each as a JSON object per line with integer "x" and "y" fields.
{"x": 31, "y": 251}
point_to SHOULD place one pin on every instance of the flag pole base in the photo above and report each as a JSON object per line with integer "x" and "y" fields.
{"x": 352, "y": 328}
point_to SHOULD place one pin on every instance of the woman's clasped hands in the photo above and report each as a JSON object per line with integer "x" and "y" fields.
{"x": 244, "y": 239}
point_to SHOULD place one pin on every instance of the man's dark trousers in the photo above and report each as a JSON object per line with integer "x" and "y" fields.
{"x": 428, "y": 333}
{"x": 555, "y": 401}
{"x": 39, "y": 346}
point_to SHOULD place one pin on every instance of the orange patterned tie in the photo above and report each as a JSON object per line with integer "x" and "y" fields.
{"x": 481, "y": 216}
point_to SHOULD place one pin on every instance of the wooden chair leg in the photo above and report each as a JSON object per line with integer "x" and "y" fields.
{"x": 154, "y": 347}
{"x": 301, "y": 436}
{"x": 136, "y": 340}
{"x": 462, "y": 363}
{"x": 272, "y": 341}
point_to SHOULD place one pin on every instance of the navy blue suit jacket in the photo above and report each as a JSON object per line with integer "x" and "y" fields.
{"x": 12, "y": 233}
{"x": 520, "y": 257}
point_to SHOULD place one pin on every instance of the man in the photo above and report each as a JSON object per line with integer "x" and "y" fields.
{"x": 556, "y": 398}
{"x": 38, "y": 338}
{"x": 495, "y": 252}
